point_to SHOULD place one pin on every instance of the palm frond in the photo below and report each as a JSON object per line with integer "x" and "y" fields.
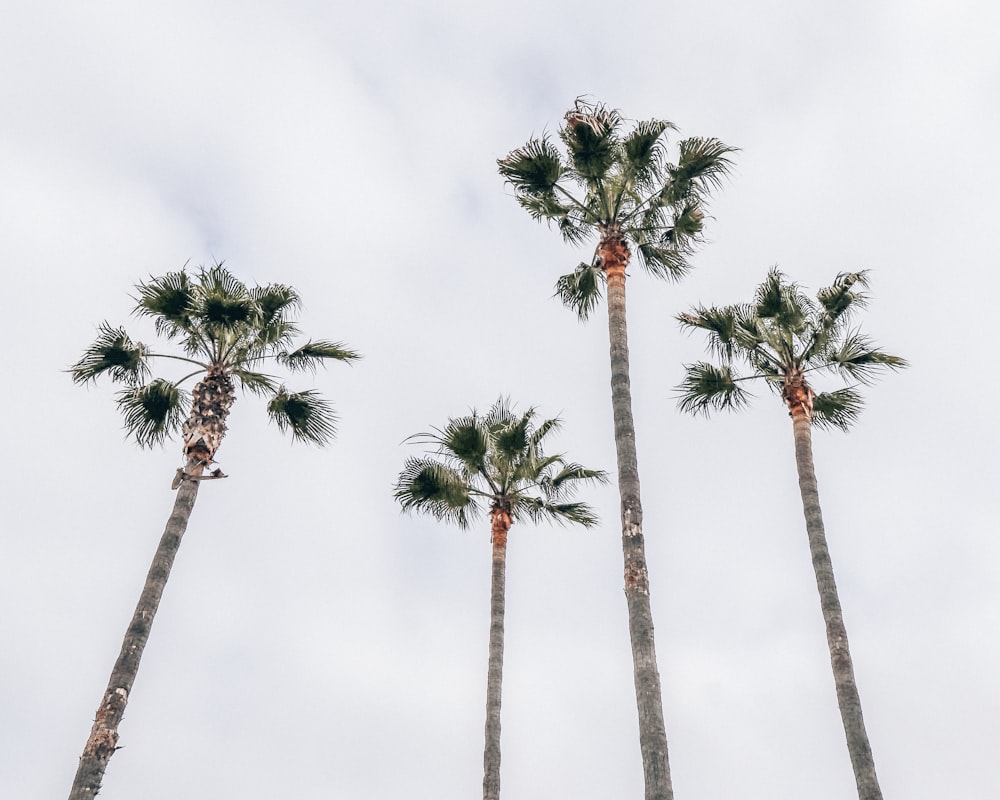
{"x": 707, "y": 387}
{"x": 724, "y": 328}
{"x": 663, "y": 260}
{"x": 113, "y": 353}
{"x": 581, "y": 290}
{"x": 533, "y": 169}
{"x": 538, "y": 509}
{"x": 169, "y": 300}
{"x": 274, "y": 302}
{"x": 642, "y": 153}
{"x": 256, "y": 382}
{"x": 701, "y": 166}
{"x": 465, "y": 440}
{"x": 571, "y": 475}
{"x": 306, "y": 415}
{"x": 431, "y": 487}
{"x": 152, "y": 412}
{"x": 313, "y": 353}
{"x": 838, "y": 409}
{"x": 590, "y": 136}
{"x": 858, "y": 358}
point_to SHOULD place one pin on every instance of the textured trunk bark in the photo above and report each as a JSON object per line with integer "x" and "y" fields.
{"x": 203, "y": 430}
{"x": 836, "y": 633}
{"x": 103, "y": 739}
{"x": 652, "y": 732}
{"x": 491, "y": 756}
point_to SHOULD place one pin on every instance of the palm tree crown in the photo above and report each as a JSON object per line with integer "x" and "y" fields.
{"x": 225, "y": 330}
{"x": 494, "y": 462}
{"x": 619, "y": 184}
{"x": 784, "y": 337}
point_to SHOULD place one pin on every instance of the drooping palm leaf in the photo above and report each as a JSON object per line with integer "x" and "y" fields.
{"x": 113, "y": 353}
{"x": 154, "y": 412}
{"x": 306, "y": 415}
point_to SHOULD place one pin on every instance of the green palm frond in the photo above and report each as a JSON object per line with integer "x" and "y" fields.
{"x": 534, "y": 169}
{"x": 428, "y": 486}
{"x": 838, "y": 409}
{"x": 114, "y": 354}
{"x": 701, "y": 167}
{"x": 707, "y": 387}
{"x": 274, "y": 302}
{"x": 725, "y": 333}
{"x": 858, "y": 358}
{"x": 581, "y": 289}
{"x": 169, "y": 300}
{"x": 643, "y": 151}
{"x": 841, "y": 297}
{"x": 465, "y": 440}
{"x": 306, "y": 415}
{"x": 571, "y": 475}
{"x": 538, "y": 510}
{"x": 256, "y": 382}
{"x": 590, "y": 135}
{"x": 153, "y": 412}
{"x": 314, "y": 353}
{"x": 663, "y": 259}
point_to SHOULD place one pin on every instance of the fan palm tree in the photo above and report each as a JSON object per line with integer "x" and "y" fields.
{"x": 785, "y": 339}
{"x": 618, "y": 186}
{"x": 495, "y": 463}
{"x": 226, "y": 332}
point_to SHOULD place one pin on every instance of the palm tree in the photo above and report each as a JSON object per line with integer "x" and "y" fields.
{"x": 226, "y": 331}
{"x": 785, "y": 338}
{"x": 619, "y": 186}
{"x": 494, "y": 463}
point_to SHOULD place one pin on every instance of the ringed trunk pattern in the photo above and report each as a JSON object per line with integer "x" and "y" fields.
{"x": 615, "y": 255}
{"x": 798, "y": 397}
{"x": 501, "y": 522}
{"x": 203, "y": 432}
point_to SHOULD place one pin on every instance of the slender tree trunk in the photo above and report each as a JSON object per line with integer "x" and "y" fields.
{"x": 836, "y": 634}
{"x": 652, "y": 732}
{"x": 103, "y": 739}
{"x": 491, "y": 756}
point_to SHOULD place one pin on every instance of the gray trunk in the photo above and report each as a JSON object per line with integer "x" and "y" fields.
{"x": 491, "y": 755}
{"x": 836, "y": 633}
{"x": 103, "y": 739}
{"x": 652, "y": 733}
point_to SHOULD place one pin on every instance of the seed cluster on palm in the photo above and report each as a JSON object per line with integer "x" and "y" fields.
{"x": 786, "y": 340}
{"x": 226, "y": 332}
{"x": 615, "y": 183}
{"x": 495, "y": 464}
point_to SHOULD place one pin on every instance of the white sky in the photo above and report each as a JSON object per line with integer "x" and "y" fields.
{"x": 313, "y": 642}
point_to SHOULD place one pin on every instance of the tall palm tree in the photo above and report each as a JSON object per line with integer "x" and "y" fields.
{"x": 495, "y": 463}
{"x": 785, "y": 338}
{"x": 226, "y": 332}
{"x": 618, "y": 186}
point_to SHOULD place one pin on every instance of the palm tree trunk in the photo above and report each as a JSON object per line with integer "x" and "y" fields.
{"x": 103, "y": 739}
{"x": 491, "y": 756}
{"x": 836, "y": 634}
{"x": 652, "y": 732}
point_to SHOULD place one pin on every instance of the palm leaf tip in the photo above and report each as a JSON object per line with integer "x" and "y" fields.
{"x": 306, "y": 415}
{"x": 312, "y": 354}
{"x": 113, "y": 353}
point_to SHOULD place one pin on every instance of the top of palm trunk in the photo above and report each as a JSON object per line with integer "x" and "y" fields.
{"x": 223, "y": 331}
{"x": 784, "y": 337}
{"x": 614, "y": 181}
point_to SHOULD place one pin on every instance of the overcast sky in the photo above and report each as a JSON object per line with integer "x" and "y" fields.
{"x": 315, "y": 643}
